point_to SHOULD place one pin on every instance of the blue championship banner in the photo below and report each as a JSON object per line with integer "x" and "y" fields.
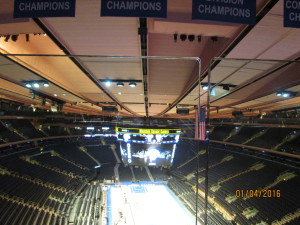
{"x": 134, "y": 8}
{"x": 292, "y": 13}
{"x": 233, "y": 11}
{"x": 44, "y": 8}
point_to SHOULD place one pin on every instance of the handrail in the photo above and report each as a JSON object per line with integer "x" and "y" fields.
{"x": 257, "y": 124}
{"x": 37, "y": 139}
{"x": 257, "y": 148}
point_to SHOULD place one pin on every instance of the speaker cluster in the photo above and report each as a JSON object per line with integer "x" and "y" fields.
{"x": 184, "y": 37}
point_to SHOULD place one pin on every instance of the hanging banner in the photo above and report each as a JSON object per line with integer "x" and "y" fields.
{"x": 292, "y": 13}
{"x": 233, "y": 11}
{"x": 134, "y": 8}
{"x": 44, "y": 8}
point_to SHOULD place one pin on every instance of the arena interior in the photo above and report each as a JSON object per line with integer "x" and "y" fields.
{"x": 143, "y": 120}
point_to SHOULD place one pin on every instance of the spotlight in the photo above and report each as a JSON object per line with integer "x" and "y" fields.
{"x": 119, "y": 93}
{"x": 237, "y": 114}
{"x": 132, "y": 84}
{"x": 205, "y": 87}
{"x": 46, "y": 84}
{"x": 182, "y": 111}
{"x": 7, "y": 38}
{"x": 191, "y": 37}
{"x": 55, "y": 95}
{"x": 226, "y": 87}
{"x": 183, "y": 37}
{"x": 214, "y": 38}
{"x": 27, "y": 37}
{"x": 60, "y": 107}
{"x": 14, "y": 37}
{"x": 285, "y": 95}
{"x": 199, "y": 37}
{"x": 175, "y": 37}
{"x": 28, "y": 85}
{"x": 43, "y": 101}
{"x": 107, "y": 83}
{"x": 36, "y": 84}
{"x": 120, "y": 84}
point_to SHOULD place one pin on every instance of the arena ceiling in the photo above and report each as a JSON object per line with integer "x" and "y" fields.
{"x": 246, "y": 62}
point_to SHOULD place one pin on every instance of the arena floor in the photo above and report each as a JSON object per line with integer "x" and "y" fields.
{"x": 145, "y": 204}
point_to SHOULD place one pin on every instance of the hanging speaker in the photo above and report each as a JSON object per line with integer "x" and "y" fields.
{"x": 183, "y": 111}
{"x": 109, "y": 109}
{"x": 237, "y": 114}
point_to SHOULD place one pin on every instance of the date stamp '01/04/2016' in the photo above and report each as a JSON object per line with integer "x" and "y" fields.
{"x": 258, "y": 193}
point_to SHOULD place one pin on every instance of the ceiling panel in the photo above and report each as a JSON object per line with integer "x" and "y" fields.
{"x": 90, "y": 34}
{"x": 113, "y": 68}
{"x": 169, "y": 76}
{"x": 138, "y": 108}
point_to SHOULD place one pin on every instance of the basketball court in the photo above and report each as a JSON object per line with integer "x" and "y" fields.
{"x": 145, "y": 204}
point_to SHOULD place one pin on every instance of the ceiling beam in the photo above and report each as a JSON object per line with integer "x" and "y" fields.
{"x": 143, "y": 32}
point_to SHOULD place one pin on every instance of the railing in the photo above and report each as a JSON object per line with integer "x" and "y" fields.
{"x": 38, "y": 139}
{"x": 257, "y": 148}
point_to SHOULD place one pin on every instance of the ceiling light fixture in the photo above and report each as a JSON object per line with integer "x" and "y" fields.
{"x": 214, "y": 38}
{"x": 28, "y": 85}
{"x": 175, "y": 37}
{"x": 46, "y": 84}
{"x": 132, "y": 84}
{"x": 191, "y": 37}
{"x": 199, "y": 38}
{"x": 7, "y": 38}
{"x": 119, "y": 93}
{"x": 226, "y": 87}
{"x": 107, "y": 83}
{"x": 286, "y": 94}
{"x": 36, "y": 84}
{"x": 14, "y": 37}
{"x": 43, "y": 101}
{"x": 120, "y": 84}
{"x": 183, "y": 37}
{"x": 27, "y": 37}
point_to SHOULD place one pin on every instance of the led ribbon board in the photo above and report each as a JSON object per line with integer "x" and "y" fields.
{"x": 147, "y": 131}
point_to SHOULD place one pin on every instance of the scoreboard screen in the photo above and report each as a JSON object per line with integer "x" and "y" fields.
{"x": 148, "y": 147}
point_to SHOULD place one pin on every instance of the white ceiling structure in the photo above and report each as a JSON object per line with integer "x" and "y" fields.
{"x": 248, "y": 58}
